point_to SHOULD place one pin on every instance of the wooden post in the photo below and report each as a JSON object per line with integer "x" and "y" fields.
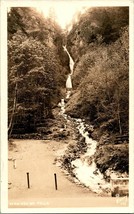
{"x": 55, "y": 179}
{"x": 28, "y": 183}
{"x": 14, "y": 163}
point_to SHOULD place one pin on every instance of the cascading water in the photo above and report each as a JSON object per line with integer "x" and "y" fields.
{"x": 62, "y": 105}
{"x": 68, "y": 86}
{"x": 69, "y": 80}
{"x": 86, "y": 173}
{"x": 71, "y": 62}
{"x": 85, "y": 168}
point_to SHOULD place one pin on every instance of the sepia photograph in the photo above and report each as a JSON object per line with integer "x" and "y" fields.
{"x": 66, "y": 113}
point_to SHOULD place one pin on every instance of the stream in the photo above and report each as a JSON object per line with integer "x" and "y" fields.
{"x": 84, "y": 168}
{"x": 69, "y": 79}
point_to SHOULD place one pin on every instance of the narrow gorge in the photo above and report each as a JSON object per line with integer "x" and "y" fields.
{"x": 68, "y": 102}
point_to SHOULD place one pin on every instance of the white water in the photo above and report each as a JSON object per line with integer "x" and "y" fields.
{"x": 68, "y": 94}
{"x": 85, "y": 168}
{"x": 62, "y": 106}
{"x": 71, "y": 64}
{"x": 69, "y": 80}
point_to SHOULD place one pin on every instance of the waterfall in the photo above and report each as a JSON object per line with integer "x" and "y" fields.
{"x": 71, "y": 62}
{"x": 84, "y": 167}
{"x": 69, "y": 80}
{"x": 62, "y": 106}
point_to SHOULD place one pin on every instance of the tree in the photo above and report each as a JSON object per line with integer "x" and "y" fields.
{"x": 35, "y": 71}
{"x": 101, "y": 77}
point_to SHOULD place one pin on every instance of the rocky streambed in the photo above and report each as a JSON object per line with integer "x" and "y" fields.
{"x": 78, "y": 160}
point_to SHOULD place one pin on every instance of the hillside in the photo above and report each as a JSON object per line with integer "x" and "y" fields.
{"x": 99, "y": 45}
{"x": 37, "y": 72}
{"x": 38, "y": 68}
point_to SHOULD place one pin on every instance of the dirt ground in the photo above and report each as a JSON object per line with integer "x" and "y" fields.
{"x": 37, "y": 158}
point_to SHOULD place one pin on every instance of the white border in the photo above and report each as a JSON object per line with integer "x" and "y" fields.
{"x": 4, "y": 150}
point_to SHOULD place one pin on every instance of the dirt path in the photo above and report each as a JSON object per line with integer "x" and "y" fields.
{"x": 37, "y": 157}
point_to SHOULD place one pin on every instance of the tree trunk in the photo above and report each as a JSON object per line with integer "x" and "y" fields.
{"x": 119, "y": 120}
{"x": 118, "y": 112}
{"x": 13, "y": 112}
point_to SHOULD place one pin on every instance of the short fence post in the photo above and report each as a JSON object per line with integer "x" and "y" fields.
{"x": 28, "y": 183}
{"x": 55, "y": 178}
{"x": 14, "y": 163}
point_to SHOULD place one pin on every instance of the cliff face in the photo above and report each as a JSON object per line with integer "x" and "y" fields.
{"x": 99, "y": 25}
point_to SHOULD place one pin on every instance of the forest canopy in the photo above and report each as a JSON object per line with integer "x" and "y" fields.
{"x": 38, "y": 66}
{"x": 36, "y": 74}
{"x": 99, "y": 44}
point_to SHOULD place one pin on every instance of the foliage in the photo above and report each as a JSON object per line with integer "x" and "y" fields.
{"x": 101, "y": 76}
{"x": 113, "y": 156}
{"x": 35, "y": 70}
{"x": 97, "y": 25}
{"x": 99, "y": 44}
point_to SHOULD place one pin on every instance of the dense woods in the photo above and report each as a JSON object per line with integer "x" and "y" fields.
{"x": 99, "y": 44}
{"x": 36, "y": 74}
{"x": 38, "y": 66}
